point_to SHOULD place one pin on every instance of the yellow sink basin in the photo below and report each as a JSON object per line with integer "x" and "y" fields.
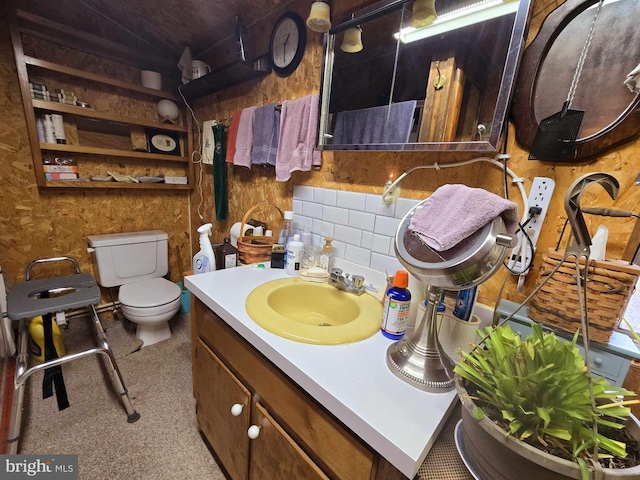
{"x": 313, "y": 312}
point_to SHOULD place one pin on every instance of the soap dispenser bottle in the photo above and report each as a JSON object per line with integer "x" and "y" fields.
{"x": 205, "y": 260}
{"x": 325, "y": 256}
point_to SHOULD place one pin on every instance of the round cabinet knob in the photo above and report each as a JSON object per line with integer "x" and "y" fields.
{"x": 253, "y": 432}
{"x": 597, "y": 361}
{"x": 237, "y": 409}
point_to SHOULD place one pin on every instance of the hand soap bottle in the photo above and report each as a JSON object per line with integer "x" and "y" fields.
{"x": 205, "y": 260}
{"x": 294, "y": 255}
{"x": 325, "y": 256}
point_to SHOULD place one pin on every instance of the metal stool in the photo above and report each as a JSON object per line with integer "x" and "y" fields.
{"x": 32, "y": 298}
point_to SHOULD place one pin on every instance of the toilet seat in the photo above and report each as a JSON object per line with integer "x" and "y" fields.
{"x": 153, "y": 294}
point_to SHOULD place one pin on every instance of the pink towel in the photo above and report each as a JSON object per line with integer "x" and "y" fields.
{"x": 244, "y": 138}
{"x": 233, "y": 135}
{"x": 298, "y": 132}
{"x": 454, "y": 212}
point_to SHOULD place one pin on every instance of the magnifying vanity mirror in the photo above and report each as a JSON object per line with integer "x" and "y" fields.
{"x": 443, "y": 87}
{"x": 611, "y": 113}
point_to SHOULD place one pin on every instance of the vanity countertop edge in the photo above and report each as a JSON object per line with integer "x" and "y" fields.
{"x": 351, "y": 381}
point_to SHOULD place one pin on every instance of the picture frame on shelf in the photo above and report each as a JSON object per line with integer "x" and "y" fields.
{"x": 162, "y": 141}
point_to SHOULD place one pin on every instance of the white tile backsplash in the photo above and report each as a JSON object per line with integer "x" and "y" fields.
{"x": 362, "y": 226}
{"x": 347, "y": 234}
{"x": 335, "y": 215}
{"x": 350, "y": 200}
{"x": 330, "y": 197}
{"x": 313, "y": 210}
{"x": 302, "y": 192}
{"x": 318, "y": 195}
{"x": 362, "y": 220}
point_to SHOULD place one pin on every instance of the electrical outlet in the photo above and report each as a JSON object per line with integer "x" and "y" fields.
{"x": 540, "y": 197}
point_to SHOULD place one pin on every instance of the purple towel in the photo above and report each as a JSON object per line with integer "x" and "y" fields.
{"x": 266, "y": 130}
{"x": 454, "y": 212}
{"x": 375, "y": 125}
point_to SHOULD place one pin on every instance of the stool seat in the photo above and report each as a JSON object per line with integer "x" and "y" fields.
{"x": 24, "y": 299}
{"x": 44, "y": 297}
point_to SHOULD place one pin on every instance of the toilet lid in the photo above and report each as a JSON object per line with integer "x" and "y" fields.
{"x": 149, "y": 293}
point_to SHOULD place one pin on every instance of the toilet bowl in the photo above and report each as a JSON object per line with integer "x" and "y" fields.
{"x": 150, "y": 304}
{"x": 137, "y": 262}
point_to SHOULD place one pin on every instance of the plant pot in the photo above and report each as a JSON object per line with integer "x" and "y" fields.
{"x": 495, "y": 456}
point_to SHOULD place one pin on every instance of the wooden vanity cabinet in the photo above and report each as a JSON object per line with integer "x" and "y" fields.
{"x": 298, "y": 438}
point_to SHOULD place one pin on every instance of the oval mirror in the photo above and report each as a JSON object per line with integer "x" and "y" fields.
{"x": 611, "y": 113}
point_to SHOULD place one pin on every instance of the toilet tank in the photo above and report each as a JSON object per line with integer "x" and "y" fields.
{"x": 122, "y": 258}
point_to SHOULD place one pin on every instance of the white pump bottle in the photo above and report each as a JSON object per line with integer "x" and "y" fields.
{"x": 205, "y": 260}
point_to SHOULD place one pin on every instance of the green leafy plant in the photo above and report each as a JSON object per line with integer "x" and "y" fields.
{"x": 537, "y": 389}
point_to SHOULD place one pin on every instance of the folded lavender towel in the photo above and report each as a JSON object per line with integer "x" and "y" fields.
{"x": 454, "y": 212}
{"x": 265, "y": 135}
{"x": 244, "y": 139}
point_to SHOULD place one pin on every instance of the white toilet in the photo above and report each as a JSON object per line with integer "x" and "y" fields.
{"x": 136, "y": 262}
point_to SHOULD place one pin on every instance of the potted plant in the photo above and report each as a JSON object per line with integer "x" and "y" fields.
{"x": 528, "y": 412}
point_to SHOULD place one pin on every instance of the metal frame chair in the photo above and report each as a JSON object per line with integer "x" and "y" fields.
{"x": 46, "y": 297}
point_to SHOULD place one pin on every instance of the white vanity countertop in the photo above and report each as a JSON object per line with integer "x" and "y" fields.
{"x": 352, "y": 381}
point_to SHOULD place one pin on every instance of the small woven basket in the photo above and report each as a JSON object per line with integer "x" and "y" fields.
{"x": 610, "y": 284}
{"x": 255, "y": 249}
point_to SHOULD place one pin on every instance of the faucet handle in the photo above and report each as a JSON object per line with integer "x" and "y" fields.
{"x": 358, "y": 281}
{"x": 336, "y": 272}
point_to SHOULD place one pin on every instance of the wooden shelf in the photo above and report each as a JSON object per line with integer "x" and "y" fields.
{"x": 111, "y": 152}
{"x": 118, "y": 185}
{"x": 232, "y": 74}
{"x": 54, "y": 67}
{"x": 109, "y": 117}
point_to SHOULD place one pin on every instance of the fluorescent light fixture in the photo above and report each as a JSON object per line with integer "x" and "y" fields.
{"x": 460, "y": 18}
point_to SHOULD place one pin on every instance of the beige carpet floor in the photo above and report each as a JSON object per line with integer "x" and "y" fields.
{"x": 164, "y": 443}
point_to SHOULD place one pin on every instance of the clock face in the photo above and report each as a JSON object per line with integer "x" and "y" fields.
{"x": 287, "y": 43}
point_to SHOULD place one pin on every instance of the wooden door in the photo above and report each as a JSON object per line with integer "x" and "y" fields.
{"x": 275, "y": 455}
{"x": 216, "y": 391}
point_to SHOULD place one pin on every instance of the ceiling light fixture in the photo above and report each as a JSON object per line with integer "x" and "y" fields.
{"x": 460, "y": 18}
{"x": 352, "y": 40}
{"x": 423, "y": 13}
{"x": 319, "y": 17}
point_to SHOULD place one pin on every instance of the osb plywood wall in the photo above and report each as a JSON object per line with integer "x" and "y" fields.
{"x": 367, "y": 171}
{"x": 44, "y": 223}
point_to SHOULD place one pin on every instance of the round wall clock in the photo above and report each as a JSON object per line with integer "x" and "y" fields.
{"x": 287, "y": 44}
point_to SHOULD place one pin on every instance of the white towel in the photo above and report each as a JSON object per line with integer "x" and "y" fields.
{"x": 633, "y": 80}
{"x": 298, "y": 132}
{"x": 208, "y": 142}
{"x": 184, "y": 64}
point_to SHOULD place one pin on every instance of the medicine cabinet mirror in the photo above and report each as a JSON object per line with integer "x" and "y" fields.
{"x": 445, "y": 87}
{"x": 611, "y": 110}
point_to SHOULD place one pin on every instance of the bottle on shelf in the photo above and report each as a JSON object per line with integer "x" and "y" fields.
{"x": 226, "y": 255}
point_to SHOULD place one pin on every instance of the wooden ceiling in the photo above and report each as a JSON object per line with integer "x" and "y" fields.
{"x": 160, "y": 27}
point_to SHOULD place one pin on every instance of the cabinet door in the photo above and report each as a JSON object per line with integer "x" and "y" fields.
{"x": 275, "y": 455}
{"x": 217, "y": 390}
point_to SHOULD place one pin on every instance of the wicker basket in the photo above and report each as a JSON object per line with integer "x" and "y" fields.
{"x": 255, "y": 249}
{"x": 610, "y": 284}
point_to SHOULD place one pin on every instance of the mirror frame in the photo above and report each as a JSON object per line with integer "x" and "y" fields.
{"x": 500, "y": 117}
{"x": 620, "y": 131}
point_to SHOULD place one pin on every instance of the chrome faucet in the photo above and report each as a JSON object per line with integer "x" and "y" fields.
{"x": 348, "y": 283}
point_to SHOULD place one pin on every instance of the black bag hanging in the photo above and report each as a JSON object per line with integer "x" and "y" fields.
{"x": 556, "y": 136}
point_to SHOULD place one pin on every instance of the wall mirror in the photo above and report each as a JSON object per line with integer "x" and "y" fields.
{"x": 389, "y": 85}
{"x": 611, "y": 113}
